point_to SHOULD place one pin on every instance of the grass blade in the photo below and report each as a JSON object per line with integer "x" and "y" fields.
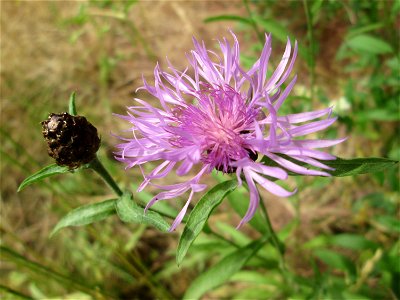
{"x": 228, "y": 18}
{"x": 222, "y": 271}
{"x": 15, "y": 294}
{"x": 47, "y": 273}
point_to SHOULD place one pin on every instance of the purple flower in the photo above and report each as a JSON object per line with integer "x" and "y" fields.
{"x": 223, "y": 118}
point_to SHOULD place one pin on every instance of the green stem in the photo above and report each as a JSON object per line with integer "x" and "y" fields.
{"x": 14, "y": 293}
{"x": 310, "y": 36}
{"x": 274, "y": 238}
{"x": 98, "y": 167}
{"x": 253, "y": 23}
{"x": 276, "y": 243}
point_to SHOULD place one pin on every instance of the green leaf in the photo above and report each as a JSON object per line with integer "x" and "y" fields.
{"x": 162, "y": 207}
{"x": 352, "y": 296}
{"x": 250, "y": 276}
{"x": 389, "y": 223}
{"x": 350, "y": 167}
{"x": 128, "y": 211}
{"x": 72, "y": 107}
{"x": 343, "y": 167}
{"x": 86, "y": 214}
{"x": 314, "y": 11}
{"x": 236, "y": 201}
{"x": 255, "y": 292}
{"x": 369, "y": 44}
{"x": 382, "y": 114}
{"x": 276, "y": 29}
{"x": 352, "y": 241}
{"x": 240, "y": 203}
{"x": 239, "y": 237}
{"x": 199, "y": 215}
{"x": 228, "y": 18}
{"x": 222, "y": 271}
{"x": 335, "y": 260}
{"x": 363, "y": 29}
{"x": 317, "y": 242}
{"x": 43, "y": 173}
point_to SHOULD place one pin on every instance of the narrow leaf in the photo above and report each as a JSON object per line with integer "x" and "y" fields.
{"x": 352, "y": 241}
{"x": 43, "y": 173}
{"x": 369, "y": 44}
{"x": 335, "y": 260}
{"x": 275, "y": 28}
{"x": 343, "y": 167}
{"x": 390, "y": 223}
{"x": 228, "y": 18}
{"x": 239, "y": 237}
{"x": 240, "y": 203}
{"x": 13, "y": 294}
{"x": 86, "y": 214}
{"x": 199, "y": 215}
{"x": 350, "y": 167}
{"x": 222, "y": 271}
{"x": 72, "y": 106}
{"x": 363, "y": 29}
{"x": 128, "y": 211}
{"x": 162, "y": 207}
{"x": 382, "y": 114}
{"x": 251, "y": 277}
{"x": 235, "y": 200}
{"x": 255, "y": 292}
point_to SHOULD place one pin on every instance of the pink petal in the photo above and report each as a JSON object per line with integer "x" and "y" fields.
{"x": 271, "y": 186}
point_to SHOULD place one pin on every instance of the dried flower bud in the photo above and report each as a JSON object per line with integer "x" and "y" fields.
{"x": 72, "y": 141}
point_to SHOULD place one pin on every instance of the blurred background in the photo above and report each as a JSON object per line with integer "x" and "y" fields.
{"x": 341, "y": 233}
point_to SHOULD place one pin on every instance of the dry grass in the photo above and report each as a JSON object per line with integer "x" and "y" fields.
{"x": 46, "y": 53}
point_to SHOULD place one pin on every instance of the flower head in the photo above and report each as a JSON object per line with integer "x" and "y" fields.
{"x": 223, "y": 118}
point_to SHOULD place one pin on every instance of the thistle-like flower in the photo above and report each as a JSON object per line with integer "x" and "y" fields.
{"x": 223, "y": 118}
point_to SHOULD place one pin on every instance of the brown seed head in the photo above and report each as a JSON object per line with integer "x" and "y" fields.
{"x": 72, "y": 141}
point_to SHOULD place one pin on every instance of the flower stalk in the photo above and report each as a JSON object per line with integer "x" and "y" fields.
{"x": 98, "y": 167}
{"x": 276, "y": 242}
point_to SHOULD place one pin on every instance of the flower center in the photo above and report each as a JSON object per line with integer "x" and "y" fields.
{"x": 218, "y": 124}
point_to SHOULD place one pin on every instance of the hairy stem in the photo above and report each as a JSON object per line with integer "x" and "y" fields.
{"x": 98, "y": 167}
{"x": 274, "y": 239}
